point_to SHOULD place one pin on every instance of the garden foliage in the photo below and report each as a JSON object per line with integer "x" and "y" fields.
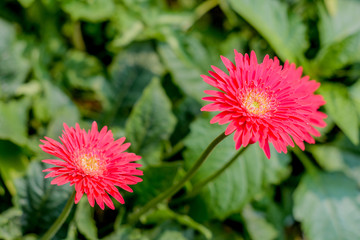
{"x": 135, "y": 66}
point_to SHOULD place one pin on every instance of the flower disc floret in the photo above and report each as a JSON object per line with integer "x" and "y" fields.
{"x": 265, "y": 102}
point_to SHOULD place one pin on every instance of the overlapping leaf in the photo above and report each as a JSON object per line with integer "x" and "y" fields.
{"x": 339, "y": 155}
{"x": 150, "y": 123}
{"x": 339, "y": 37}
{"x": 328, "y": 206}
{"x": 282, "y": 29}
{"x": 248, "y": 176}
{"x": 341, "y": 108}
{"x": 186, "y": 63}
{"x": 40, "y": 202}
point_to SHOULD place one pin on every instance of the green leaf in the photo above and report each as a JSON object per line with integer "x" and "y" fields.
{"x": 339, "y": 37}
{"x": 185, "y": 110}
{"x": 339, "y": 23}
{"x": 84, "y": 220}
{"x": 135, "y": 22}
{"x": 10, "y": 227}
{"x": 341, "y": 109}
{"x": 91, "y": 11}
{"x": 340, "y": 155}
{"x": 126, "y": 25}
{"x": 131, "y": 73}
{"x": 13, "y": 121}
{"x": 257, "y": 226}
{"x": 14, "y": 67}
{"x": 337, "y": 55}
{"x": 72, "y": 233}
{"x": 283, "y": 30}
{"x": 245, "y": 178}
{"x": 83, "y": 74}
{"x": 156, "y": 179}
{"x": 70, "y": 116}
{"x": 186, "y": 58}
{"x": 150, "y": 123}
{"x": 13, "y": 164}
{"x": 40, "y": 201}
{"x": 54, "y": 107}
{"x": 328, "y": 206}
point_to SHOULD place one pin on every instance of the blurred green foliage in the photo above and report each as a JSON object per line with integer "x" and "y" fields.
{"x": 135, "y": 66}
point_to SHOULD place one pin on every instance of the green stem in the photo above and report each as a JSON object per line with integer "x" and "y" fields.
{"x": 172, "y": 190}
{"x": 77, "y": 37}
{"x": 61, "y": 219}
{"x": 199, "y": 186}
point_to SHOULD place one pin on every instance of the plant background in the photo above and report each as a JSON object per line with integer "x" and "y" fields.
{"x": 135, "y": 66}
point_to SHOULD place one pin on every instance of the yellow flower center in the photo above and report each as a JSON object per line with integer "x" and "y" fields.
{"x": 256, "y": 102}
{"x": 90, "y": 164}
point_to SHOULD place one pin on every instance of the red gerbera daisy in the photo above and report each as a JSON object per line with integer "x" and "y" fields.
{"x": 94, "y": 162}
{"x": 265, "y": 102}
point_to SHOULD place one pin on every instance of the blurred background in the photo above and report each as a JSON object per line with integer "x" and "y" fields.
{"x": 135, "y": 66}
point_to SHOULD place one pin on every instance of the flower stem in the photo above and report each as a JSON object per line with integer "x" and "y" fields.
{"x": 60, "y": 220}
{"x": 199, "y": 186}
{"x": 172, "y": 190}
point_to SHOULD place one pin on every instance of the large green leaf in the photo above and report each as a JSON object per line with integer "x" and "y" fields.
{"x": 339, "y": 37}
{"x": 341, "y": 109}
{"x": 328, "y": 206}
{"x": 245, "y": 178}
{"x": 131, "y": 73}
{"x": 40, "y": 201}
{"x": 150, "y": 123}
{"x": 282, "y": 29}
{"x": 14, "y": 67}
{"x": 187, "y": 58}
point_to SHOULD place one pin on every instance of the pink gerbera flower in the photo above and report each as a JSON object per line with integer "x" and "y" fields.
{"x": 94, "y": 162}
{"x": 265, "y": 102}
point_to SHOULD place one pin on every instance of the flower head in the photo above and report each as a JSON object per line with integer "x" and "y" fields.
{"x": 93, "y": 162}
{"x": 265, "y": 102}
